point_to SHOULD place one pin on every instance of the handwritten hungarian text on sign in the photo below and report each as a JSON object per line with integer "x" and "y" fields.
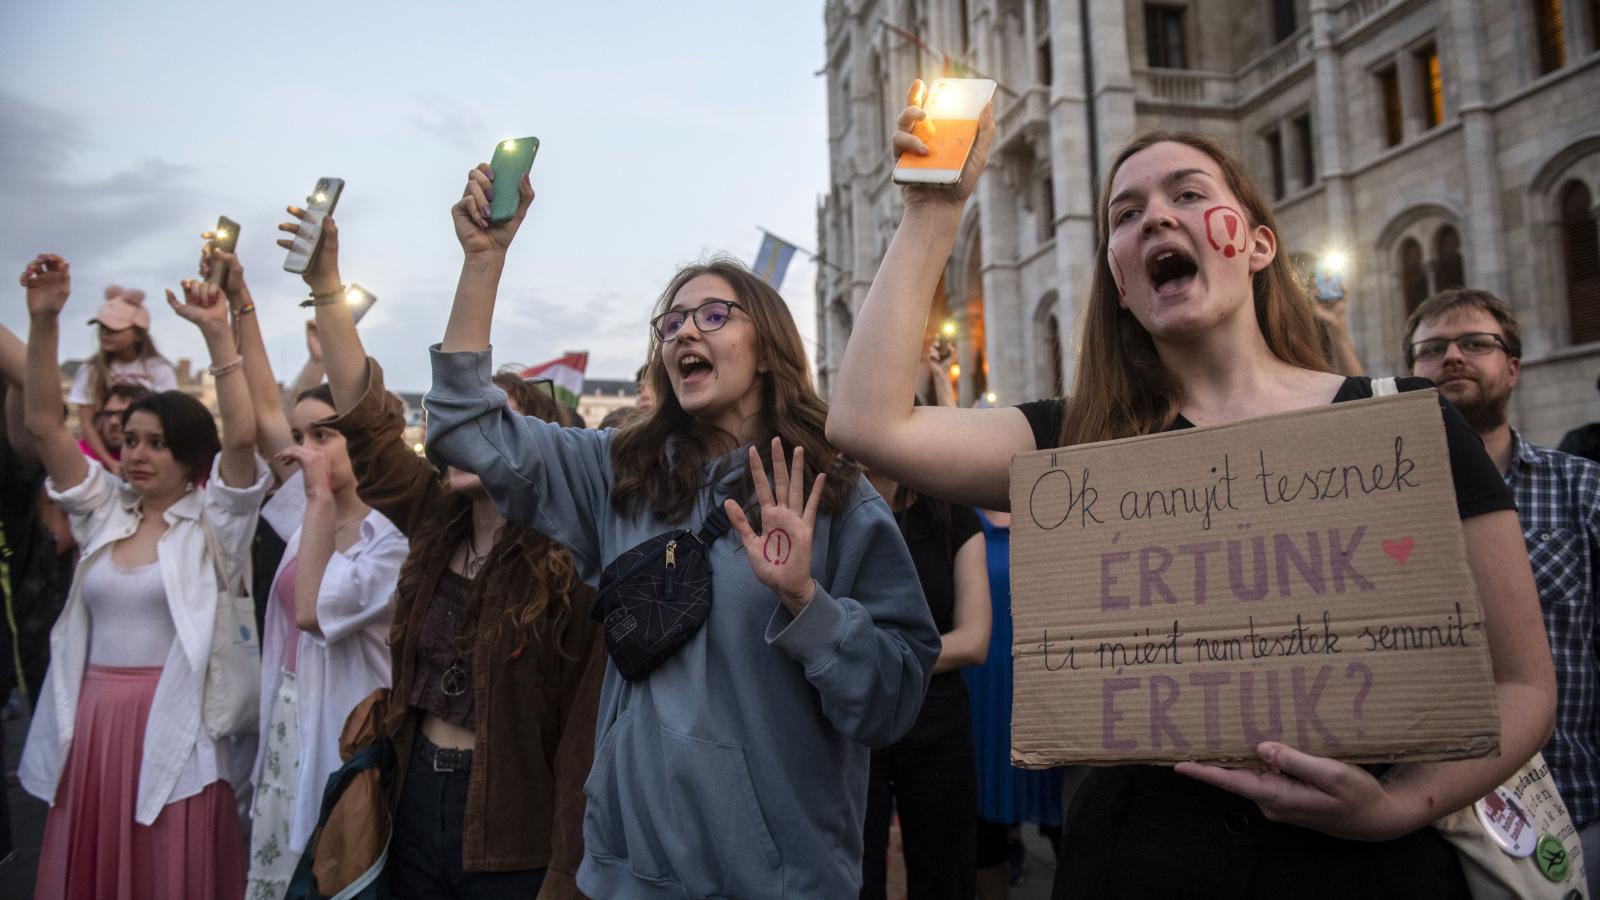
{"x": 1300, "y": 578}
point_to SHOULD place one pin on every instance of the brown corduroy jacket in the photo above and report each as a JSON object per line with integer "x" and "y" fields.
{"x": 536, "y": 704}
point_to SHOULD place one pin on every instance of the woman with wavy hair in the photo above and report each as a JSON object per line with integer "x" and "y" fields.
{"x": 1181, "y": 331}
{"x": 737, "y": 767}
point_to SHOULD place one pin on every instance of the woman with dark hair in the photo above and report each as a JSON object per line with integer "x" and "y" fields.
{"x": 737, "y": 766}
{"x": 1176, "y": 333}
{"x": 324, "y": 640}
{"x": 142, "y": 798}
{"x": 496, "y": 675}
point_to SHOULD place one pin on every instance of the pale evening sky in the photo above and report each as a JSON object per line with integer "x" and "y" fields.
{"x": 669, "y": 131}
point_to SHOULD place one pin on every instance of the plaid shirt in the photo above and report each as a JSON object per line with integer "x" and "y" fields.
{"x": 1558, "y": 501}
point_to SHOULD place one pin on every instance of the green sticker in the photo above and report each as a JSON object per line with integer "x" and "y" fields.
{"x": 1552, "y": 857}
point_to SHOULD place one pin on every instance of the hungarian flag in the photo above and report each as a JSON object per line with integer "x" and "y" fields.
{"x": 565, "y": 373}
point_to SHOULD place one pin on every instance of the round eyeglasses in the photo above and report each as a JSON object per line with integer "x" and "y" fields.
{"x": 708, "y": 316}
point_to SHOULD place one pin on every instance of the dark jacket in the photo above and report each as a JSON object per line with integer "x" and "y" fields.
{"x": 535, "y": 704}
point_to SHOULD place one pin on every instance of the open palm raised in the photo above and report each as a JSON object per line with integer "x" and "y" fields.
{"x": 780, "y": 555}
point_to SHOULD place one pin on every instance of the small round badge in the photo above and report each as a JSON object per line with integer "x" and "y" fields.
{"x": 1552, "y": 857}
{"x": 1508, "y": 822}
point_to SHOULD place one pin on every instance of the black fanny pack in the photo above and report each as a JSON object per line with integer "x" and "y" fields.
{"x": 656, "y": 595}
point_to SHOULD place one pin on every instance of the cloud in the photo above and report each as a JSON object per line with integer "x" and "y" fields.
{"x": 43, "y": 205}
{"x": 452, "y": 121}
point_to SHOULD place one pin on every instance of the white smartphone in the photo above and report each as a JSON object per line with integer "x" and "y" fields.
{"x": 319, "y": 206}
{"x": 954, "y": 106}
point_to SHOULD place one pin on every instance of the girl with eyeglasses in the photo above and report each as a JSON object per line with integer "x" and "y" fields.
{"x": 1180, "y": 330}
{"x": 738, "y": 766}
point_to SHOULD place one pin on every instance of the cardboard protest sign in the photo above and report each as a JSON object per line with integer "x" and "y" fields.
{"x": 1300, "y": 577}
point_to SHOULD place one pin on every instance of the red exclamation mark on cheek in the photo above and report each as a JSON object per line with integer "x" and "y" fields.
{"x": 1232, "y": 224}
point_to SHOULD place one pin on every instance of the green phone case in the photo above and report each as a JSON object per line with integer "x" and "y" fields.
{"x": 512, "y": 159}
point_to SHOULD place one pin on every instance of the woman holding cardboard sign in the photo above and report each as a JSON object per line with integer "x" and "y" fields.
{"x": 1193, "y": 318}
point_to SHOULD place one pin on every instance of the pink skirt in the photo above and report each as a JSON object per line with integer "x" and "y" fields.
{"x": 94, "y": 850}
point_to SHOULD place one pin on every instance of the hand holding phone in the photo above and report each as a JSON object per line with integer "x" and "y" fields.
{"x": 308, "y": 233}
{"x": 1330, "y": 284}
{"x": 224, "y": 237}
{"x": 948, "y": 128}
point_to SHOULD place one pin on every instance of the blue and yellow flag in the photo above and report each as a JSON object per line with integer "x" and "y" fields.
{"x": 772, "y": 260}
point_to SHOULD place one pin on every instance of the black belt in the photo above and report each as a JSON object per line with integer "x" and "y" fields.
{"x": 440, "y": 759}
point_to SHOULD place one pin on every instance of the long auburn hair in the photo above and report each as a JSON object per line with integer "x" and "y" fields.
{"x": 534, "y": 573}
{"x": 1121, "y": 388}
{"x": 660, "y": 458}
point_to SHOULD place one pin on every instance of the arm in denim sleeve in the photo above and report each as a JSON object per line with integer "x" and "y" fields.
{"x": 866, "y": 639}
{"x": 558, "y": 480}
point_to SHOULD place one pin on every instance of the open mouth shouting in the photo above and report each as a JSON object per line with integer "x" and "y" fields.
{"x": 693, "y": 367}
{"x": 1170, "y": 268}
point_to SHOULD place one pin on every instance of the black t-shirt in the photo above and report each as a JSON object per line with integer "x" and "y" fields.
{"x": 1479, "y": 486}
{"x": 933, "y": 549}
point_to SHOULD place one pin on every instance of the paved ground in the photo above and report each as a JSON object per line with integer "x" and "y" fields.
{"x": 27, "y": 824}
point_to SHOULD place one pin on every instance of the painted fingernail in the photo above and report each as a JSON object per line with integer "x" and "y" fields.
{"x": 489, "y": 193}
{"x": 486, "y": 210}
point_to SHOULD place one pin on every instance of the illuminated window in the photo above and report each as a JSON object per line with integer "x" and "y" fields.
{"x": 1549, "y": 35}
{"x": 1389, "y": 97}
{"x": 1432, "y": 86}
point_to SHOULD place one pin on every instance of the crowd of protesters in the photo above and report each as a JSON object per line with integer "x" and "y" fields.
{"x": 468, "y": 610}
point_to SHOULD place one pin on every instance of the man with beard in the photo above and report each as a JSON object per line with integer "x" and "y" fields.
{"x": 1469, "y": 344}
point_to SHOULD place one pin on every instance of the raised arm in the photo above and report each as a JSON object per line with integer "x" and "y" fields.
{"x": 204, "y": 307}
{"x": 485, "y": 247}
{"x": 961, "y": 455}
{"x": 317, "y": 532}
{"x": 332, "y": 337}
{"x": 272, "y": 432}
{"x": 48, "y": 280}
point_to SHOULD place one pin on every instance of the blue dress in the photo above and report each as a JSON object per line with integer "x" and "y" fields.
{"x": 1006, "y": 794}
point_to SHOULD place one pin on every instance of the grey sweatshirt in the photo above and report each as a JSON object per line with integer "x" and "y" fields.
{"x": 738, "y": 768}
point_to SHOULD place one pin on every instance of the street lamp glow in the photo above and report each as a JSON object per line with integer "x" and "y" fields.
{"x": 955, "y": 370}
{"x": 990, "y": 398}
{"x": 949, "y": 328}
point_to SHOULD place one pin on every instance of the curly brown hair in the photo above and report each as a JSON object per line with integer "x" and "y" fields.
{"x": 534, "y": 573}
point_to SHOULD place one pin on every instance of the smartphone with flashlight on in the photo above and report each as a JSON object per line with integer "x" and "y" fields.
{"x": 1329, "y": 278}
{"x": 324, "y": 197}
{"x": 512, "y": 159}
{"x": 359, "y": 299}
{"x": 953, "y": 106}
{"x": 224, "y": 237}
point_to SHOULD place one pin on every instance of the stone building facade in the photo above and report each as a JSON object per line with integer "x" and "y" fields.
{"x": 1433, "y": 142}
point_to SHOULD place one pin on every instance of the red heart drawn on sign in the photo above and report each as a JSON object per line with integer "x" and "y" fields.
{"x": 1400, "y": 550}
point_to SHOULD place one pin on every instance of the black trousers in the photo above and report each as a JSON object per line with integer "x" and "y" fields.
{"x": 1142, "y": 831}
{"x": 425, "y": 853}
{"x": 930, "y": 777}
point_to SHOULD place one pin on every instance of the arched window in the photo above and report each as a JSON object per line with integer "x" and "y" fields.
{"x": 1580, "y": 240}
{"x": 1413, "y": 276}
{"x": 1448, "y": 270}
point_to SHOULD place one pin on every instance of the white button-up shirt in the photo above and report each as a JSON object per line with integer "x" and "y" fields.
{"x": 179, "y": 758}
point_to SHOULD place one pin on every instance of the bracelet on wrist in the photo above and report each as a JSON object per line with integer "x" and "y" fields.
{"x": 326, "y": 298}
{"x": 244, "y": 310}
{"x": 225, "y": 368}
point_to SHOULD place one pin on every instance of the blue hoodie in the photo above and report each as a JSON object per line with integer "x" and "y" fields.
{"x": 738, "y": 768}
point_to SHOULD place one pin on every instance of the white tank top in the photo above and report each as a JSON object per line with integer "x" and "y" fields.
{"x": 129, "y": 622}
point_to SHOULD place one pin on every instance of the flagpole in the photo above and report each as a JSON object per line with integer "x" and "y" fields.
{"x": 800, "y": 248}
{"x": 912, "y": 38}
